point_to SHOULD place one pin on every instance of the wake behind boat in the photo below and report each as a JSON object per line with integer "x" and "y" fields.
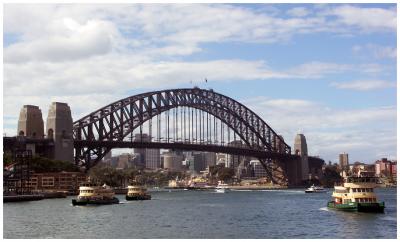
{"x": 315, "y": 189}
{"x": 222, "y": 187}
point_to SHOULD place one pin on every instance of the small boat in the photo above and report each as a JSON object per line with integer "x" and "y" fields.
{"x": 93, "y": 194}
{"x": 136, "y": 192}
{"x": 357, "y": 194}
{"x": 314, "y": 189}
{"x": 222, "y": 187}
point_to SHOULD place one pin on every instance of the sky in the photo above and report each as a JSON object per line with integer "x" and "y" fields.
{"x": 325, "y": 70}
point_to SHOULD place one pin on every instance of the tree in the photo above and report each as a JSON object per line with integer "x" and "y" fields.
{"x": 41, "y": 164}
{"x": 330, "y": 176}
{"x": 226, "y": 174}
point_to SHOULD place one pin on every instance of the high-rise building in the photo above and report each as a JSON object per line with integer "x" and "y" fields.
{"x": 258, "y": 169}
{"x": 343, "y": 161}
{"x": 173, "y": 160}
{"x": 124, "y": 161}
{"x": 300, "y": 148}
{"x": 233, "y": 161}
{"x": 199, "y": 162}
{"x": 30, "y": 122}
{"x": 150, "y": 158}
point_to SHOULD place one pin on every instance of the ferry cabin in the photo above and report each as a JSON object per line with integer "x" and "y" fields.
{"x": 356, "y": 189}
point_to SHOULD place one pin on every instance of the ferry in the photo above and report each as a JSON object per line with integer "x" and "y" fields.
{"x": 357, "y": 194}
{"x": 94, "y": 194}
{"x": 314, "y": 189}
{"x": 136, "y": 192}
{"x": 222, "y": 187}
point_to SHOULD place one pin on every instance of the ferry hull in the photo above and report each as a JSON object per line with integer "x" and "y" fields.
{"x": 138, "y": 197}
{"x": 80, "y": 202}
{"x": 359, "y": 207}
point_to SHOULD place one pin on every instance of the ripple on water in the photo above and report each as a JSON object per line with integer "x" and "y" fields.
{"x": 191, "y": 214}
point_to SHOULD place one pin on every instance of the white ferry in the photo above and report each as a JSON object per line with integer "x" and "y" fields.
{"x": 315, "y": 189}
{"x": 357, "y": 194}
{"x": 90, "y": 193}
{"x": 222, "y": 187}
{"x": 136, "y": 192}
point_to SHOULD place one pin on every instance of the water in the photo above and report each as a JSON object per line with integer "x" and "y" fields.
{"x": 201, "y": 214}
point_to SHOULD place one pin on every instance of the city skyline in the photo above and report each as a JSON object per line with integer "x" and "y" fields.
{"x": 321, "y": 70}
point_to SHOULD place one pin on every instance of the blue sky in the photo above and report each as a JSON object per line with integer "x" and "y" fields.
{"x": 326, "y": 70}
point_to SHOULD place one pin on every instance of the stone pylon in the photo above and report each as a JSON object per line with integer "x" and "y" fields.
{"x": 30, "y": 122}
{"x": 59, "y": 128}
{"x": 300, "y": 148}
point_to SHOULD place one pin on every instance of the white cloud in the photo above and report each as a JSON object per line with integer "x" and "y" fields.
{"x": 74, "y": 41}
{"x": 60, "y": 32}
{"x": 317, "y": 69}
{"x": 364, "y": 85}
{"x": 298, "y": 12}
{"x": 365, "y": 19}
{"x": 375, "y": 51}
{"x": 94, "y": 54}
{"x": 364, "y": 133}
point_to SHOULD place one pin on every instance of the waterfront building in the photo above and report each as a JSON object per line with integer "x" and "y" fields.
{"x": 30, "y": 122}
{"x": 385, "y": 167}
{"x": 107, "y": 158}
{"x": 124, "y": 161}
{"x": 199, "y": 162}
{"x": 57, "y": 181}
{"x": 233, "y": 161}
{"x": 300, "y": 148}
{"x": 343, "y": 161}
{"x": 150, "y": 158}
{"x": 172, "y": 161}
{"x": 220, "y": 158}
{"x": 210, "y": 158}
{"x": 257, "y": 169}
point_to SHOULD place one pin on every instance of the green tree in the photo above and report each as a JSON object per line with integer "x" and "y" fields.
{"x": 226, "y": 174}
{"x": 7, "y": 158}
{"x": 330, "y": 176}
{"x": 42, "y": 164}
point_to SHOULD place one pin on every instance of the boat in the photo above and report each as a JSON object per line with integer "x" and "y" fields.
{"x": 136, "y": 192}
{"x": 94, "y": 194}
{"x": 356, "y": 194}
{"x": 222, "y": 187}
{"x": 315, "y": 189}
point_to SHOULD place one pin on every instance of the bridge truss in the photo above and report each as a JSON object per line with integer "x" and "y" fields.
{"x": 187, "y": 119}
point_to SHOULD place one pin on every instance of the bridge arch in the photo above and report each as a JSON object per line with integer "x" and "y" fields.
{"x": 116, "y": 121}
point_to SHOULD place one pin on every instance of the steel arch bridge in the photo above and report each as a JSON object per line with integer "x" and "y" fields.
{"x": 185, "y": 119}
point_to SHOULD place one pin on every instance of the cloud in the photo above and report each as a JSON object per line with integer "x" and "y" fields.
{"x": 364, "y": 132}
{"x": 365, "y": 19}
{"x": 69, "y": 32}
{"x": 375, "y": 51}
{"x": 96, "y": 54}
{"x": 364, "y": 85}
{"x": 73, "y": 42}
{"x": 316, "y": 69}
{"x": 298, "y": 12}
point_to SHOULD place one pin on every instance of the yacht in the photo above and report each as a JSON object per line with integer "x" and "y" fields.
{"x": 357, "y": 194}
{"x": 314, "y": 189}
{"x": 90, "y": 193}
{"x": 136, "y": 192}
{"x": 222, "y": 187}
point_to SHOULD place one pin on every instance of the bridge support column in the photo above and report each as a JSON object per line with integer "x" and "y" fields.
{"x": 59, "y": 128}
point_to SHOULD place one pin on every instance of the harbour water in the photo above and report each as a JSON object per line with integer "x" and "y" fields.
{"x": 201, "y": 214}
